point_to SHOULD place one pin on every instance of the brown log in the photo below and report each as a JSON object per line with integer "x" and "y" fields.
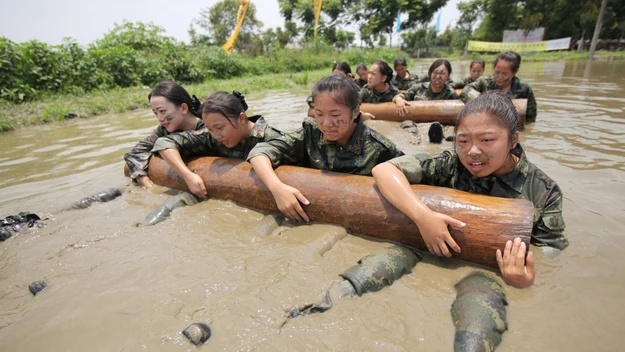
{"x": 443, "y": 111}
{"x": 355, "y": 203}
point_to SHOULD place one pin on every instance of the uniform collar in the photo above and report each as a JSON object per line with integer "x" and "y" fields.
{"x": 515, "y": 179}
{"x": 258, "y": 131}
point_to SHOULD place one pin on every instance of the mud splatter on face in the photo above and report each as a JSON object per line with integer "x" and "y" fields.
{"x": 170, "y": 116}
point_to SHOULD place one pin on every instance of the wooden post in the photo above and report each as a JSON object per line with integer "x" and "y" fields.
{"x": 595, "y": 35}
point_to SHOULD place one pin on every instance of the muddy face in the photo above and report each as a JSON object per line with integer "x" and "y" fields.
{"x": 168, "y": 114}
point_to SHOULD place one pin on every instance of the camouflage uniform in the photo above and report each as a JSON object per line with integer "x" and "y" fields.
{"x": 201, "y": 143}
{"x": 360, "y": 82}
{"x": 404, "y": 83}
{"x": 423, "y": 91}
{"x": 370, "y": 95}
{"x": 307, "y": 147}
{"x": 139, "y": 157}
{"x": 526, "y": 181}
{"x": 518, "y": 90}
{"x": 465, "y": 82}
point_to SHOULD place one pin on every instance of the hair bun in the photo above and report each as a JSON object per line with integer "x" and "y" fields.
{"x": 241, "y": 99}
{"x": 196, "y": 105}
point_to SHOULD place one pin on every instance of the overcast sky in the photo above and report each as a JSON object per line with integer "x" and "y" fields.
{"x": 52, "y": 20}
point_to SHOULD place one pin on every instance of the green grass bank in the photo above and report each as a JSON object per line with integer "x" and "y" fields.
{"x": 59, "y": 107}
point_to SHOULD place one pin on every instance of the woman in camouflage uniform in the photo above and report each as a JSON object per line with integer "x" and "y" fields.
{"x": 229, "y": 133}
{"x": 403, "y": 79}
{"x": 437, "y": 88}
{"x": 361, "y": 71}
{"x": 176, "y": 111}
{"x": 487, "y": 159}
{"x": 504, "y": 79}
{"x": 336, "y": 139}
{"x": 476, "y": 70}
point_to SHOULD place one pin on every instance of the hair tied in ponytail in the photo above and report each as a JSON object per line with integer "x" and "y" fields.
{"x": 241, "y": 98}
{"x": 196, "y": 105}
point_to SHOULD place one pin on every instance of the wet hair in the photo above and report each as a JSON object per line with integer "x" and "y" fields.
{"x": 479, "y": 62}
{"x": 400, "y": 61}
{"x": 497, "y": 105}
{"x": 436, "y": 64}
{"x": 511, "y": 57}
{"x": 342, "y": 66}
{"x": 361, "y": 66}
{"x": 227, "y": 105}
{"x": 385, "y": 70}
{"x": 176, "y": 95}
{"x": 342, "y": 90}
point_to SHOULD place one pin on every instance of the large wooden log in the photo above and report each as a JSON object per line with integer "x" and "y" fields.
{"x": 443, "y": 111}
{"x": 355, "y": 203}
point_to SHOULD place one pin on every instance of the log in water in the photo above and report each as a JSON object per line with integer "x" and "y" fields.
{"x": 355, "y": 203}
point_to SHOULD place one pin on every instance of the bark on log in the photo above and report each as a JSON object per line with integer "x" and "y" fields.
{"x": 355, "y": 203}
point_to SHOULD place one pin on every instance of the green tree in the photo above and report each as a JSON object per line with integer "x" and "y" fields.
{"x": 218, "y": 23}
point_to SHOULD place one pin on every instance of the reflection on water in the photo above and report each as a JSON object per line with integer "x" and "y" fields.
{"x": 114, "y": 286}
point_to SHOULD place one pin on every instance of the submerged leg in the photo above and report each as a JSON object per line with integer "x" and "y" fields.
{"x": 372, "y": 273}
{"x": 269, "y": 224}
{"x": 479, "y": 314}
{"x": 163, "y": 212}
{"x": 102, "y": 197}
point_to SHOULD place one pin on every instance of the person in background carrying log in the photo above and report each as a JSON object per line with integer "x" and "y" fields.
{"x": 361, "y": 71}
{"x": 436, "y": 89}
{"x": 403, "y": 79}
{"x": 504, "y": 79}
{"x": 487, "y": 159}
{"x": 176, "y": 111}
{"x": 476, "y": 70}
{"x": 229, "y": 132}
{"x": 336, "y": 139}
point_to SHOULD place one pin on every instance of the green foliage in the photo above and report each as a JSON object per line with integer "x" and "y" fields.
{"x": 131, "y": 54}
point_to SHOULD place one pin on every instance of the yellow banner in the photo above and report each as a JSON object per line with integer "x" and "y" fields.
{"x": 499, "y": 47}
{"x": 240, "y": 17}
{"x": 317, "y": 6}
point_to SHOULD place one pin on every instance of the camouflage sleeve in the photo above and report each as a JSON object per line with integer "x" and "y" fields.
{"x": 460, "y": 84}
{"x": 473, "y": 89}
{"x": 287, "y": 149}
{"x": 452, "y": 93}
{"x": 549, "y": 226}
{"x": 424, "y": 169}
{"x": 409, "y": 166}
{"x": 364, "y": 95}
{"x": 188, "y": 143}
{"x": 410, "y": 93}
{"x": 532, "y": 108}
{"x": 138, "y": 158}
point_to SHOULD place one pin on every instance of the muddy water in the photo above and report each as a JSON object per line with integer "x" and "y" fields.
{"x": 116, "y": 287}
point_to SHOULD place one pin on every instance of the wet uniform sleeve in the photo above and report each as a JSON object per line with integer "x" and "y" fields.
{"x": 188, "y": 143}
{"x": 478, "y": 86}
{"x": 423, "y": 169}
{"x": 452, "y": 94}
{"x": 410, "y": 93}
{"x": 532, "y": 107}
{"x": 364, "y": 96}
{"x": 549, "y": 226}
{"x": 287, "y": 149}
{"x": 138, "y": 158}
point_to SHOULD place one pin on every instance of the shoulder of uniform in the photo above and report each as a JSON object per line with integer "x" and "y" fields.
{"x": 381, "y": 139}
{"x": 309, "y": 122}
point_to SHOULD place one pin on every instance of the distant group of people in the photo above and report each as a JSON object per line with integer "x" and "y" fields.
{"x": 487, "y": 157}
{"x": 379, "y": 85}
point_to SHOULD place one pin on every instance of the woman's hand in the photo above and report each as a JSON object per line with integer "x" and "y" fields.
{"x": 196, "y": 184}
{"x": 435, "y": 234}
{"x": 515, "y": 268}
{"x": 400, "y": 105}
{"x": 145, "y": 182}
{"x": 288, "y": 200}
{"x": 366, "y": 116}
